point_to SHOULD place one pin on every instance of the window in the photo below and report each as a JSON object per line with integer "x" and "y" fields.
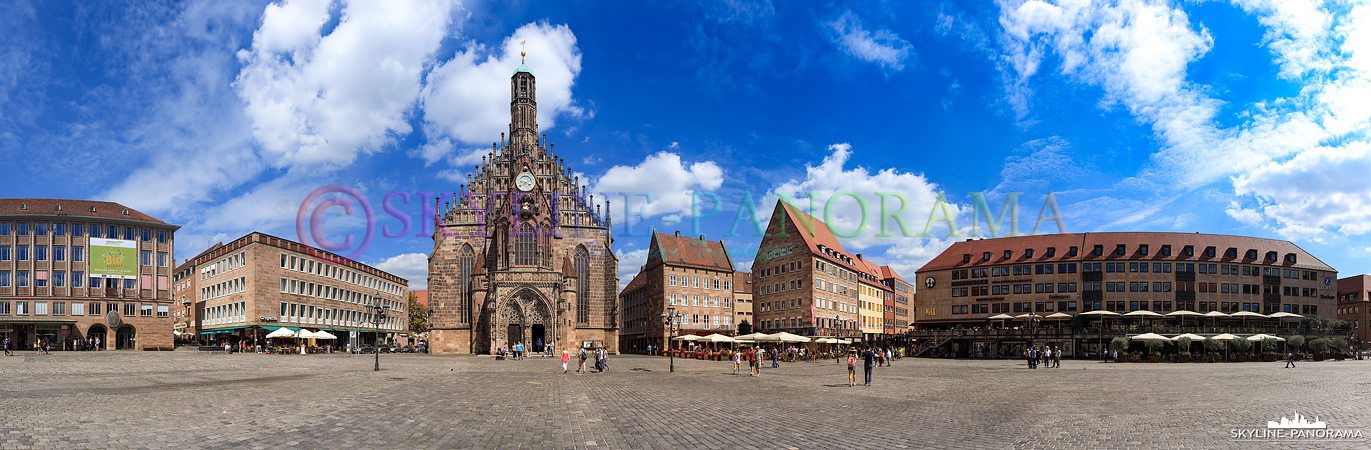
{"x": 21, "y": 278}
{"x": 78, "y": 308}
{"x": 671, "y": 281}
{"x": 78, "y": 229}
{"x": 4, "y": 228}
{"x": 145, "y": 258}
{"x": 21, "y": 253}
{"x": 77, "y": 278}
{"x": 59, "y": 308}
{"x": 40, "y": 229}
{"x": 4, "y": 278}
{"x": 128, "y": 234}
{"x": 161, "y": 259}
{"x": 146, "y": 235}
{"x": 21, "y": 308}
{"x": 59, "y": 253}
{"x": 22, "y": 229}
{"x": 4, "y": 253}
{"x": 40, "y": 253}
{"x": 59, "y": 229}
{"x": 59, "y": 279}
{"x": 161, "y": 236}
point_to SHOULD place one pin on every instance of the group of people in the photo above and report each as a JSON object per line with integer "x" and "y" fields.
{"x": 599, "y": 353}
{"x": 1048, "y": 356}
{"x": 40, "y": 347}
{"x": 871, "y": 357}
{"x": 754, "y": 357}
{"x": 520, "y": 351}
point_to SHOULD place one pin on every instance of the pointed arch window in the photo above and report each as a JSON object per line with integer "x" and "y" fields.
{"x": 464, "y": 268}
{"x": 546, "y": 250}
{"x": 582, "y": 286}
{"x": 525, "y": 246}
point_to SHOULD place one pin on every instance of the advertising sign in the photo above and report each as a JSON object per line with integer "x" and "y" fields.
{"x": 113, "y": 258}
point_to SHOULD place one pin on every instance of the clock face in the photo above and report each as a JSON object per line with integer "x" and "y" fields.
{"x": 930, "y": 282}
{"x": 524, "y": 182}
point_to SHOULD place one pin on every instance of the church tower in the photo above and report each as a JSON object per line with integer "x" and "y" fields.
{"x": 522, "y": 254}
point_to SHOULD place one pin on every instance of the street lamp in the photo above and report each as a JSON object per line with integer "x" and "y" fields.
{"x": 670, "y": 319}
{"x": 378, "y": 314}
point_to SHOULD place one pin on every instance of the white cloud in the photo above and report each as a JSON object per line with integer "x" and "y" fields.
{"x": 630, "y": 263}
{"x": 468, "y": 100}
{"x": 320, "y": 100}
{"x": 410, "y": 266}
{"x": 668, "y": 179}
{"x": 882, "y": 47}
{"x": 1316, "y": 190}
{"x": 1297, "y": 32}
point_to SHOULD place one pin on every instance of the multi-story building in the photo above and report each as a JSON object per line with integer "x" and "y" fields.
{"x": 57, "y": 287}
{"x": 742, "y": 299}
{"x": 805, "y": 283}
{"x": 255, "y": 284}
{"x": 1120, "y": 272}
{"x": 522, "y": 256}
{"x": 693, "y": 277}
{"x": 1354, "y": 305}
{"x": 899, "y": 301}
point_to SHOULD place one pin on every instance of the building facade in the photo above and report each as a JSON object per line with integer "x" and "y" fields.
{"x": 242, "y": 290}
{"x": 47, "y": 290}
{"x": 693, "y": 277}
{"x": 522, "y": 256}
{"x": 1354, "y": 305}
{"x": 1121, "y": 272}
{"x": 805, "y": 283}
{"x": 742, "y": 300}
{"x": 900, "y": 300}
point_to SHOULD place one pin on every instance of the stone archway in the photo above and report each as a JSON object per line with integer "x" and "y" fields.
{"x": 517, "y": 318}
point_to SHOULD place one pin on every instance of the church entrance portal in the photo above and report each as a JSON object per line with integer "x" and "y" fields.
{"x": 524, "y": 317}
{"x": 537, "y": 335}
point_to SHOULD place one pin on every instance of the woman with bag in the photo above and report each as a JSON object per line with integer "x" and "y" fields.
{"x": 852, "y": 369}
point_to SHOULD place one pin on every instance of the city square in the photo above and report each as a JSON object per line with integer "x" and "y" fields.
{"x": 189, "y": 399}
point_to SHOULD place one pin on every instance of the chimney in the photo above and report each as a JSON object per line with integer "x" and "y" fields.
{"x": 678, "y": 233}
{"x": 859, "y": 256}
{"x": 702, "y": 237}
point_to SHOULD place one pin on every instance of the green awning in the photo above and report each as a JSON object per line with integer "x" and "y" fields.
{"x": 26, "y": 319}
{"x": 277, "y": 328}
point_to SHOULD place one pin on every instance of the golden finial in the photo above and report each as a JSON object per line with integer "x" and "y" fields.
{"x": 521, "y": 51}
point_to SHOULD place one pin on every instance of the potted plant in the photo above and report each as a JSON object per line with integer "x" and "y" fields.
{"x": 1320, "y": 348}
{"x": 1240, "y": 348}
{"x": 1183, "y": 349}
{"x": 1120, "y": 345}
{"x": 1154, "y": 349}
{"x": 1339, "y": 349}
{"x": 1294, "y": 344}
{"x": 1269, "y": 349}
{"x": 1212, "y": 346}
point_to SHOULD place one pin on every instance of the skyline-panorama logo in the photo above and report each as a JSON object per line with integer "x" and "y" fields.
{"x": 1298, "y": 428}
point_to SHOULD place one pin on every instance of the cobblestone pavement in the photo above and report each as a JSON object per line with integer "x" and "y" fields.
{"x": 199, "y": 400}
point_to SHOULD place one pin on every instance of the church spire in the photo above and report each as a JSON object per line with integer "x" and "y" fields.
{"x": 523, "y": 110}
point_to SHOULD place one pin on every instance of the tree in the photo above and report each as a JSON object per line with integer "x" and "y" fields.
{"x": 1308, "y": 324}
{"x": 744, "y": 327}
{"x": 418, "y": 315}
{"x": 1119, "y": 343}
{"x": 1154, "y": 346}
{"x": 1295, "y": 343}
{"x": 1183, "y": 346}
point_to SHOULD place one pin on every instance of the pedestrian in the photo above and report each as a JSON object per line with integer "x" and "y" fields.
{"x": 604, "y": 359}
{"x": 1289, "y": 360}
{"x": 753, "y": 369}
{"x": 868, "y": 358}
{"x": 1057, "y": 358}
{"x": 774, "y": 364}
{"x": 8, "y": 349}
{"x": 737, "y": 362}
{"x": 539, "y": 347}
{"x": 852, "y": 369}
{"x": 97, "y": 344}
{"x": 889, "y": 356}
{"x": 566, "y": 356}
{"x": 581, "y": 356}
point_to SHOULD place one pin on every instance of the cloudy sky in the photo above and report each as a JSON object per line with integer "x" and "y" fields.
{"x": 1244, "y": 118}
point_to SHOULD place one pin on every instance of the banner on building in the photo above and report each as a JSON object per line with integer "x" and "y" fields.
{"x": 113, "y": 258}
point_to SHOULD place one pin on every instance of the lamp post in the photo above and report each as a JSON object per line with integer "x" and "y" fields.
{"x": 378, "y": 314}
{"x": 670, "y": 319}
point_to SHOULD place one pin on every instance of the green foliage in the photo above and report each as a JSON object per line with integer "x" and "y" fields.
{"x": 1241, "y": 345}
{"x": 1340, "y": 344}
{"x": 1319, "y": 345}
{"x": 1119, "y": 343}
{"x": 744, "y": 327}
{"x": 418, "y": 315}
{"x": 1310, "y": 323}
{"x": 1154, "y": 346}
{"x": 1213, "y": 345}
{"x": 1077, "y": 322}
{"x": 1269, "y": 346}
{"x": 1295, "y": 343}
{"x": 1340, "y": 326}
{"x": 1183, "y": 346}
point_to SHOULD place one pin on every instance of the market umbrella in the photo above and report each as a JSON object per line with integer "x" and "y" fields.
{"x": 1245, "y": 314}
{"x": 321, "y": 334}
{"x": 1059, "y": 316}
{"x": 306, "y": 334}
{"x": 1285, "y": 315}
{"x": 1149, "y": 336}
{"x": 1102, "y": 313}
{"x": 1193, "y": 337}
{"x": 1262, "y": 337}
{"x": 787, "y": 337}
{"x": 1225, "y": 338}
{"x": 757, "y": 337}
{"x": 1001, "y": 318}
{"x": 282, "y": 332}
{"x": 688, "y": 337}
{"x": 716, "y": 337}
{"x": 1216, "y": 315}
{"x": 1182, "y": 313}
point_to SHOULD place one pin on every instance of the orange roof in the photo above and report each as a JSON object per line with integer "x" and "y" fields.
{"x": 639, "y": 281}
{"x": 676, "y": 250}
{"x": 421, "y": 296}
{"x": 887, "y": 273}
{"x": 1019, "y": 246}
{"x": 74, "y": 208}
{"x": 821, "y": 240}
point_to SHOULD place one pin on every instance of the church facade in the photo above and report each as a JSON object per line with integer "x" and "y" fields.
{"x": 522, "y": 255}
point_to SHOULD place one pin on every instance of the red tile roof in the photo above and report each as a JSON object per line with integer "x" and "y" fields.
{"x": 887, "y": 273}
{"x": 639, "y": 281}
{"x": 73, "y": 208}
{"x": 688, "y": 251}
{"x": 819, "y": 237}
{"x": 1085, "y": 243}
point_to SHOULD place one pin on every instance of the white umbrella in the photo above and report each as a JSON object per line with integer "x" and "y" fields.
{"x": 1183, "y": 313}
{"x": 688, "y": 337}
{"x": 1225, "y": 337}
{"x": 321, "y": 334}
{"x": 1001, "y": 317}
{"x": 282, "y": 332}
{"x": 1149, "y": 336}
{"x": 1245, "y": 314}
{"x": 1143, "y": 314}
{"x": 305, "y": 334}
{"x": 1262, "y": 337}
{"x": 1193, "y": 337}
{"x": 787, "y": 337}
{"x": 1285, "y": 315}
{"x": 1059, "y": 316}
{"x": 716, "y": 337}
{"x": 756, "y": 337}
{"x": 1099, "y": 312}
{"x": 1026, "y": 316}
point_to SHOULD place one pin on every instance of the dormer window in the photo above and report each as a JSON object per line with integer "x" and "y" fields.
{"x": 1071, "y": 251}
{"x": 985, "y": 256}
{"x": 1209, "y": 252}
{"x": 1029, "y": 253}
{"x": 1188, "y": 251}
{"x": 1008, "y": 254}
{"x": 126, "y": 211}
{"x": 1166, "y": 250}
{"x": 92, "y": 208}
{"x": 1099, "y": 250}
{"x": 966, "y": 258}
{"x": 1142, "y": 249}
{"x": 1052, "y": 251}
{"x": 1121, "y": 250}
{"x": 59, "y": 207}
{"x": 1289, "y": 258}
{"x": 23, "y": 206}
{"x": 1271, "y": 256}
{"x": 1252, "y": 253}
{"x": 1231, "y": 253}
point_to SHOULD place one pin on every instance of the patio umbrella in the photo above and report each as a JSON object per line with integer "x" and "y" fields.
{"x": 1142, "y": 313}
{"x": 1262, "y": 337}
{"x": 1245, "y": 315}
{"x": 321, "y": 334}
{"x": 1059, "y": 316}
{"x": 716, "y": 337}
{"x": 1216, "y": 315}
{"x": 787, "y": 337}
{"x": 1193, "y": 337}
{"x": 1225, "y": 338}
{"x": 282, "y": 332}
{"x": 1148, "y": 337}
{"x": 1285, "y": 315}
{"x": 305, "y": 334}
{"x": 1001, "y": 318}
{"x": 688, "y": 337}
{"x": 1182, "y": 313}
{"x": 1102, "y": 313}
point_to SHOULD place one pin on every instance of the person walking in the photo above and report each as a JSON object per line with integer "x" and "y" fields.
{"x": 774, "y": 364}
{"x": 852, "y": 369}
{"x": 754, "y": 361}
{"x": 581, "y": 356}
{"x": 1289, "y": 360}
{"x": 868, "y": 358}
{"x": 8, "y": 347}
{"x": 737, "y": 362}
{"x": 566, "y": 356}
{"x": 889, "y": 356}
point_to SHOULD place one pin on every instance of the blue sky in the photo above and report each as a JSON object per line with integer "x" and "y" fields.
{"x": 1244, "y": 118}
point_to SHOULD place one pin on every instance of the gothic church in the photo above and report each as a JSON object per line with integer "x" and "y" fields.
{"x": 522, "y": 256}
